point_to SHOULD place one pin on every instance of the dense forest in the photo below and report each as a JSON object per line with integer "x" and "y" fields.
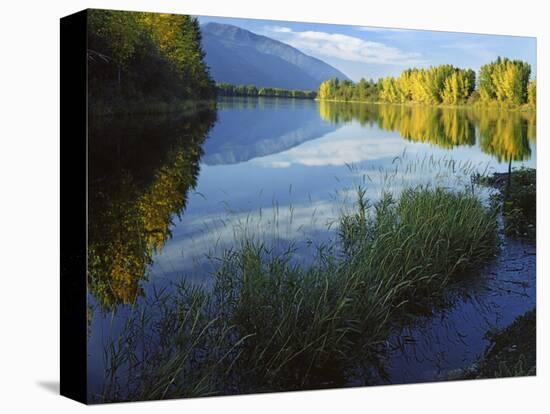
{"x": 503, "y": 81}
{"x": 138, "y": 60}
{"x": 226, "y": 89}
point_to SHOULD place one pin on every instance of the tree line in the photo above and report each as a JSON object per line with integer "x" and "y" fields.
{"x": 226, "y": 89}
{"x": 346, "y": 90}
{"x": 503, "y": 81}
{"x": 145, "y": 56}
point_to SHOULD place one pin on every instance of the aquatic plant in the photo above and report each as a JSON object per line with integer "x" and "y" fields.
{"x": 272, "y": 324}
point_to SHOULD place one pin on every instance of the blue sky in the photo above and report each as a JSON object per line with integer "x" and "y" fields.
{"x": 371, "y": 52}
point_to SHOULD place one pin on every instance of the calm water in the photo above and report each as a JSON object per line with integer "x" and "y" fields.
{"x": 167, "y": 191}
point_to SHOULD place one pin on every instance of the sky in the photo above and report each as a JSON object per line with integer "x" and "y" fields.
{"x": 372, "y": 53}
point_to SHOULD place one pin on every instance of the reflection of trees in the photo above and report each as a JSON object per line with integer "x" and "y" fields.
{"x": 252, "y": 102}
{"x": 503, "y": 134}
{"x": 445, "y": 128}
{"x": 140, "y": 172}
{"x": 506, "y": 135}
{"x": 338, "y": 112}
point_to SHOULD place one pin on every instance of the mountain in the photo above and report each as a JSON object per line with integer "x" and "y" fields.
{"x": 240, "y": 57}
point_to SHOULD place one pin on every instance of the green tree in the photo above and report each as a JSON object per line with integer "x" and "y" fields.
{"x": 458, "y": 87}
{"x": 532, "y": 93}
{"x": 152, "y": 57}
{"x": 504, "y": 80}
{"x": 118, "y": 34}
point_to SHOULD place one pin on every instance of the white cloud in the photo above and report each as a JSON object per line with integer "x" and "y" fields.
{"x": 344, "y": 47}
{"x": 280, "y": 29}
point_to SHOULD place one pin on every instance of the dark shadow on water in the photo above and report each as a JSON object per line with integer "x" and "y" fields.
{"x": 51, "y": 386}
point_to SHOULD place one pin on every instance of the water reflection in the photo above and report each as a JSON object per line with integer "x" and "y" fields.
{"x": 261, "y": 148}
{"x": 141, "y": 170}
{"x": 506, "y": 135}
{"x": 250, "y": 128}
{"x": 442, "y": 345}
{"x": 139, "y": 176}
{"x": 274, "y": 167}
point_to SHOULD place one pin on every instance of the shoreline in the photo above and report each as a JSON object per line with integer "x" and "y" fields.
{"x": 522, "y": 108}
{"x": 155, "y": 107}
{"x": 512, "y": 351}
{"x": 100, "y": 109}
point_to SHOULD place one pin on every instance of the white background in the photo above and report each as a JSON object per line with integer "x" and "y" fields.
{"x": 29, "y": 204}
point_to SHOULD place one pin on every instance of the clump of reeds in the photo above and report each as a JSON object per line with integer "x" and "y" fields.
{"x": 271, "y": 324}
{"x": 422, "y": 239}
{"x": 173, "y": 346}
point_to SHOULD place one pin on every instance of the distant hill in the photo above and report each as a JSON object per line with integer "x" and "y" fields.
{"x": 240, "y": 57}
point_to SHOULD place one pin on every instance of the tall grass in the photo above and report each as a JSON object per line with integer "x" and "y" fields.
{"x": 423, "y": 239}
{"x": 270, "y": 324}
{"x": 169, "y": 348}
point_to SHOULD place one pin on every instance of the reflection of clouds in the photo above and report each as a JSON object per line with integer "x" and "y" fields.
{"x": 201, "y": 235}
{"x": 198, "y": 236}
{"x": 336, "y": 150}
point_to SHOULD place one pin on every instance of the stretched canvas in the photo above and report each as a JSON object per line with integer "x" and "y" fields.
{"x": 254, "y": 206}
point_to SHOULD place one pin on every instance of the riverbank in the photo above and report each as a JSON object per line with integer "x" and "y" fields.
{"x": 99, "y": 108}
{"x": 512, "y": 351}
{"x": 151, "y": 107}
{"x": 478, "y": 105}
{"x": 517, "y": 199}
